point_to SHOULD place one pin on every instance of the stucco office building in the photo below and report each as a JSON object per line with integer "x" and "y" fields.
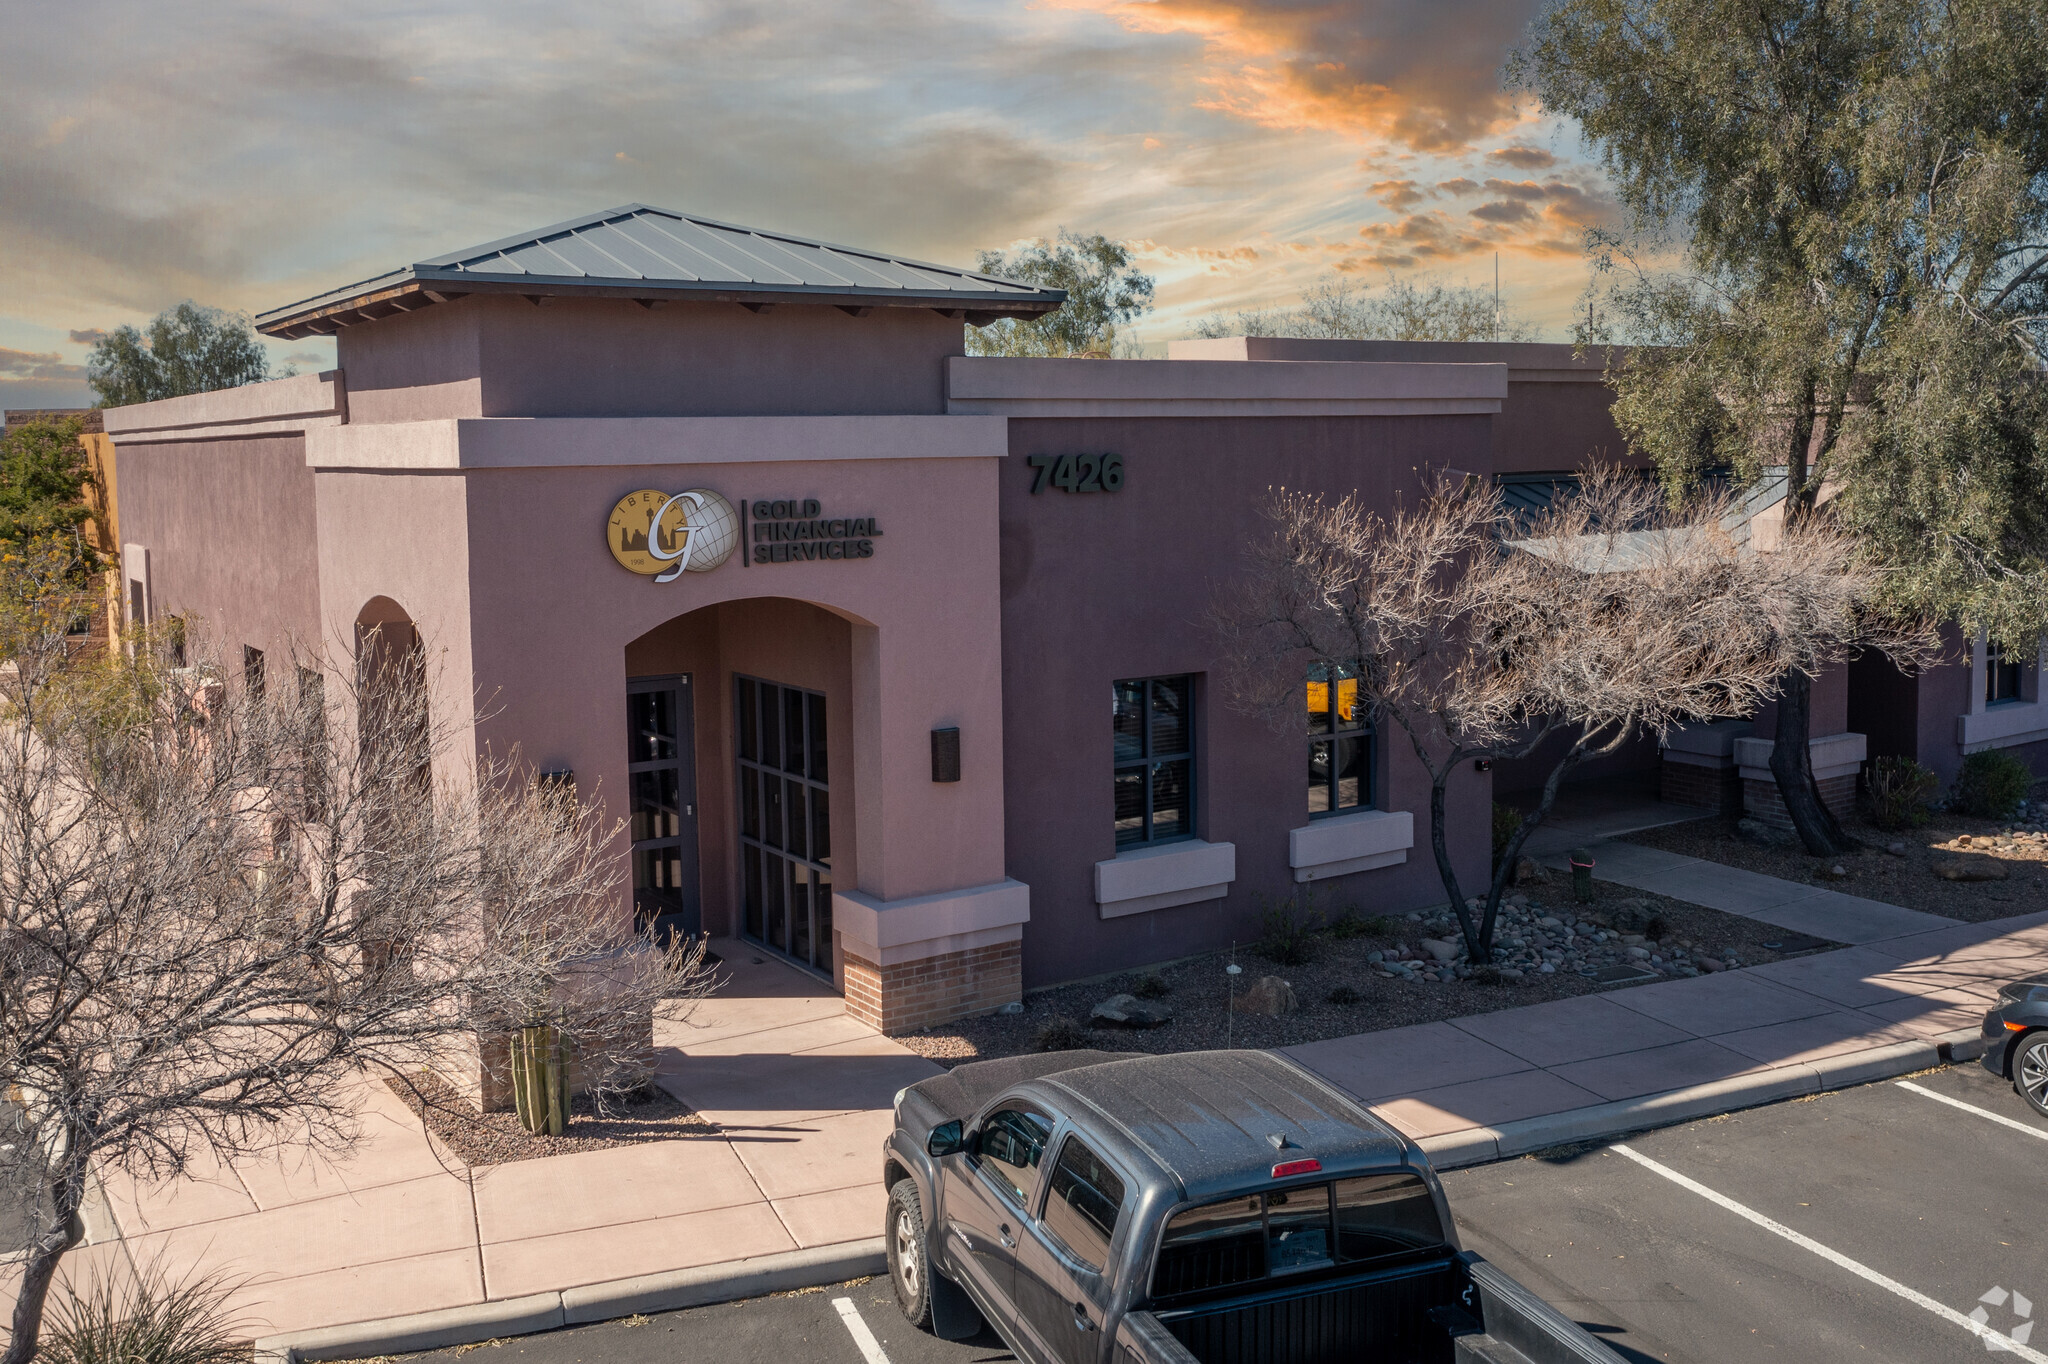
{"x": 908, "y": 681}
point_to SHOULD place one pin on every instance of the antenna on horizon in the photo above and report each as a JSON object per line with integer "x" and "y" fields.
{"x": 1496, "y": 295}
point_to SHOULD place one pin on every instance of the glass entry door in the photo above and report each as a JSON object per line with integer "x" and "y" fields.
{"x": 785, "y": 821}
{"x": 661, "y": 767}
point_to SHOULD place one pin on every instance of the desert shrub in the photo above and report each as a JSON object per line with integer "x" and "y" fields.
{"x": 1897, "y": 791}
{"x": 1286, "y": 935}
{"x": 1507, "y": 820}
{"x": 1150, "y": 986}
{"x": 155, "y": 1319}
{"x": 1344, "y": 997}
{"x": 1658, "y": 927}
{"x": 1347, "y": 925}
{"x": 1992, "y": 784}
{"x": 1488, "y": 974}
{"x": 1060, "y": 1034}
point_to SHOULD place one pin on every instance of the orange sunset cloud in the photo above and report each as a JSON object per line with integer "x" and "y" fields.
{"x": 1417, "y": 72}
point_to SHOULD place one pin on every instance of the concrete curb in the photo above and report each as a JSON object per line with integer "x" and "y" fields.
{"x": 1596, "y": 1122}
{"x": 573, "y": 1306}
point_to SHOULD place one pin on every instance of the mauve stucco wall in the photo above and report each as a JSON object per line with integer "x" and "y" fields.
{"x": 1551, "y": 427}
{"x": 554, "y": 616}
{"x": 501, "y": 356}
{"x": 232, "y": 539}
{"x": 1101, "y": 586}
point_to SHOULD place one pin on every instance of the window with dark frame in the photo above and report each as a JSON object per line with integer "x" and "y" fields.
{"x": 2002, "y": 675}
{"x": 785, "y": 820}
{"x": 1340, "y": 742}
{"x": 1154, "y": 721}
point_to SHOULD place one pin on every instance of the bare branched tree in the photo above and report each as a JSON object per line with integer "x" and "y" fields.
{"x": 226, "y": 901}
{"x": 1481, "y": 636}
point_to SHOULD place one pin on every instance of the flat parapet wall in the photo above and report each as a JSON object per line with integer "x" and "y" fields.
{"x": 1000, "y": 386}
{"x": 278, "y": 407}
{"x": 1527, "y": 361}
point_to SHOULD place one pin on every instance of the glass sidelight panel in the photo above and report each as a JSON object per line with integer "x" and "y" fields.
{"x": 661, "y": 782}
{"x": 785, "y": 819}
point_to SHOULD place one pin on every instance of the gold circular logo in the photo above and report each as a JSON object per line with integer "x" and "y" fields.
{"x": 664, "y": 535}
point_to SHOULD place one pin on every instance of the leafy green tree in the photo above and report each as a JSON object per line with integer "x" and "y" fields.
{"x": 1336, "y": 309}
{"x": 1837, "y": 241}
{"x": 43, "y": 478}
{"x": 188, "y": 349}
{"x": 1104, "y": 292}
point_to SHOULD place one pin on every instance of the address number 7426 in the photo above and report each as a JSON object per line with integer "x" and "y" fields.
{"x": 1078, "y": 473}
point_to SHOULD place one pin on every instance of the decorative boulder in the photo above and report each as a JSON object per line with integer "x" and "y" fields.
{"x": 1528, "y": 873}
{"x": 1439, "y": 950}
{"x": 1128, "y": 1011}
{"x": 1270, "y": 996}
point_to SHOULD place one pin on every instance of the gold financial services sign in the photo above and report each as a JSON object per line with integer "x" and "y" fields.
{"x": 664, "y": 535}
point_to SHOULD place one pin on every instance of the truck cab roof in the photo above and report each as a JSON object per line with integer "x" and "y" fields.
{"x": 1217, "y": 1121}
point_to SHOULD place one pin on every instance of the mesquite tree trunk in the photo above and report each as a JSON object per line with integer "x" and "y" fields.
{"x": 53, "y": 1238}
{"x": 1792, "y": 766}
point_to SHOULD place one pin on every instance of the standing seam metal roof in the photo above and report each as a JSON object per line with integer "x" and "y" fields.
{"x": 636, "y": 251}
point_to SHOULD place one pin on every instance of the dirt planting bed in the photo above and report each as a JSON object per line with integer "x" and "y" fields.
{"x": 476, "y": 1139}
{"x": 1340, "y": 989}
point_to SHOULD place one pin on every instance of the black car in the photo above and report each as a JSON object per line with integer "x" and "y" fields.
{"x": 2016, "y": 1039}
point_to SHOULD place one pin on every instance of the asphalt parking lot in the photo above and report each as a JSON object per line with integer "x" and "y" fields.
{"x": 1942, "y": 1204}
{"x": 1947, "y": 1204}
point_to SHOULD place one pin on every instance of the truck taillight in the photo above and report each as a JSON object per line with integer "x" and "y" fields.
{"x": 1288, "y": 1168}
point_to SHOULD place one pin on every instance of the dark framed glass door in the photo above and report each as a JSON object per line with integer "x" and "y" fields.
{"x": 661, "y": 774}
{"x": 785, "y": 821}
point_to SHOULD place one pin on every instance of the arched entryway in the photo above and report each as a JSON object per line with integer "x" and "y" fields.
{"x": 739, "y": 748}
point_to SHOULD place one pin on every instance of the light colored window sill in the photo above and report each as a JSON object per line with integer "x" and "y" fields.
{"x": 2004, "y": 724}
{"x": 1139, "y": 880}
{"x": 1342, "y": 844}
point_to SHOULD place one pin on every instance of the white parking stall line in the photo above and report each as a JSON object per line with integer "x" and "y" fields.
{"x": 1993, "y": 1340}
{"x": 1999, "y": 1118}
{"x": 870, "y": 1348}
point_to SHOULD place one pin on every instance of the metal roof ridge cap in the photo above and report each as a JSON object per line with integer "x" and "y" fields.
{"x": 535, "y": 234}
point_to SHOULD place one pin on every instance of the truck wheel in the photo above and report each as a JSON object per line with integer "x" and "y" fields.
{"x": 2030, "y": 1071}
{"x": 910, "y": 1265}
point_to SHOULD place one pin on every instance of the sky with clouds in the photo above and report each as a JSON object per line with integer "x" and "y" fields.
{"x": 246, "y": 153}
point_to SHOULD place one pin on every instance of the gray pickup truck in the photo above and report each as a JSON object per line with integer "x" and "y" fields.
{"x": 1223, "y": 1207}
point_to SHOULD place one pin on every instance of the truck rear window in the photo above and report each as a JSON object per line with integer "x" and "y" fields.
{"x": 1259, "y": 1236}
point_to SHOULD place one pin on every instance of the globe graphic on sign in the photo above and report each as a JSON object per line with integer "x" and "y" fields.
{"x": 714, "y": 531}
{"x": 662, "y": 535}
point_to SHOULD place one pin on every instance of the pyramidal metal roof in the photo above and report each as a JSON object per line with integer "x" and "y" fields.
{"x": 655, "y": 255}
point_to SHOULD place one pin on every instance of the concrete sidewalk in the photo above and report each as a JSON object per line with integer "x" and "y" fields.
{"x": 1496, "y": 1084}
{"x": 801, "y": 1094}
{"x": 799, "y": 1091}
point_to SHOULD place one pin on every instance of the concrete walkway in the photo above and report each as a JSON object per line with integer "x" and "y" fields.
{"x": 800, "y": 1092}
{"x": 1789, "y": 1027}
{"x": 1815, "y": 910}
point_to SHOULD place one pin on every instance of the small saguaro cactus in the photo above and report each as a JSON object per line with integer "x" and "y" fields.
{"x": 540, "y": 1091}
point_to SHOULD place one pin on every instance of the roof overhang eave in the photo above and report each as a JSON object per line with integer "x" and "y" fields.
{"x": 421, "y": 286}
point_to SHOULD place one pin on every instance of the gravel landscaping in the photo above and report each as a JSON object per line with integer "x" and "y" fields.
{"x": 475, "y": 1139}
{"x": 2000, "y": 869}
{"x": 1368, "y": 974}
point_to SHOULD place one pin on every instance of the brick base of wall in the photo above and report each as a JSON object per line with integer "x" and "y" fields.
{"x": 917, "y": 994}
{"x": 1761, "y": 801}
{"x": 1711, "y": 788}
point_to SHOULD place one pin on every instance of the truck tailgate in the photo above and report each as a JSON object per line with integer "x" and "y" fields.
{"x": 1379, "y": 1316}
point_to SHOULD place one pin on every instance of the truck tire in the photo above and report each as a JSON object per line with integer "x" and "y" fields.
{"x": 910, "y": 1261}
